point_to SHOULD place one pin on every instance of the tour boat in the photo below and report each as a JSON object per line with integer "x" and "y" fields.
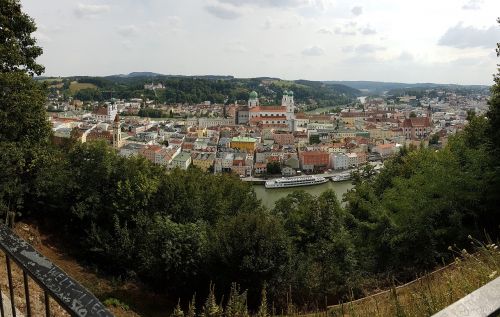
{"x": 296, "y": 181}
{"x": 341, "y": 177}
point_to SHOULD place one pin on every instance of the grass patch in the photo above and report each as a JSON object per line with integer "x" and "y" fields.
{"x": 75, "y": 86}
{"x": 433, "y": 292}
{"x": 287, "y": 84}
{"x": 113, "y": 302}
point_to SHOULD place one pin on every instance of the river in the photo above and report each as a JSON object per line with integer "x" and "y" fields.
{"x": 270, "y": 196}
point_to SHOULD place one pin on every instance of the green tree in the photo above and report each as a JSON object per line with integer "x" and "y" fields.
{"x": 251, "y": 248}
{"x": 18, "y": 49}
{"x": 274, "y": 168}
{"x": 24, "y": 129}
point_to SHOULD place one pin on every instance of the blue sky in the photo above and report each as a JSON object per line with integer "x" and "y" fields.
{"x": 445, "y": 41}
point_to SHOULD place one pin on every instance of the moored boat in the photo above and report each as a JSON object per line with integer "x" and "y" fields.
{"x": 341, "y": 177}
{"x": 296, "y": 181}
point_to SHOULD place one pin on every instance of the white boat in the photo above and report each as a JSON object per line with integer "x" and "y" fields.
{"x": 296, "y": 181}
{"x": 341, "y": 177}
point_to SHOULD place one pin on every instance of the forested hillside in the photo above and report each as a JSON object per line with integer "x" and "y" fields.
{"x": 198, "y": 89}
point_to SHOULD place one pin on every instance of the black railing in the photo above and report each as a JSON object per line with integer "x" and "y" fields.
{"x": 70, "y": 296}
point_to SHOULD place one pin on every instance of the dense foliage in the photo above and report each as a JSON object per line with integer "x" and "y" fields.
{"x": 197, "y": 90}
{"x": 24, "y": 130}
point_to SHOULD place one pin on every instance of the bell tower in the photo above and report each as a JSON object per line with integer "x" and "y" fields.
{"x": 117, "y": 134}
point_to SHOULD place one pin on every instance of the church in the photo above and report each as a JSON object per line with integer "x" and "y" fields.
{"x": 279, "y": 116}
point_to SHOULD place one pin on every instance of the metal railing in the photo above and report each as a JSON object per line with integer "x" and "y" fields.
{"x": 54, "y": 282}
{"x": 483, "y": 302}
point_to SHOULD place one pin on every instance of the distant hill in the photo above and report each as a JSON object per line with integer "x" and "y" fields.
{"x": 151, "y": 74}
{"x": 199, "y": 88}
{"x": 378, "y": 87}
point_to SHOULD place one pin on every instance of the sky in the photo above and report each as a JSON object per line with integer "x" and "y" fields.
{"x": 440, "y": 41}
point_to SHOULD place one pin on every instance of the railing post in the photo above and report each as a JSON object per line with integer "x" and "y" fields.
{"x": 47, "y": 304}
{"x": 11, "y": 286}
{"x": 27, "y": 294}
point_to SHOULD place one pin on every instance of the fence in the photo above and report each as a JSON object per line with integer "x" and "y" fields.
{"x": 69, "y": 295}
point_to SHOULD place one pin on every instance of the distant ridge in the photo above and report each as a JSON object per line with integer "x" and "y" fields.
{"x": 152, "y": 74}
{"x": 379, "y": 86}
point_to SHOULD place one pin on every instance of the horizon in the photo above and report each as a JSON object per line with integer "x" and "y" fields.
{"x": 321, "y": 40}
{"x": 257, "y": 77}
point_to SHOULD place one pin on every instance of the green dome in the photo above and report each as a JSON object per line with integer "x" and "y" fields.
{"x": 253, "y": 95}
{"x": 290, "y": 93}
{"x": 285, "y": 92}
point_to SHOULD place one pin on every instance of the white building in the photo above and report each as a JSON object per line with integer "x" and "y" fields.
{"x": 182, "y": 161}
{"x": 105, "y": 113}
{"x": 340, "y": 161}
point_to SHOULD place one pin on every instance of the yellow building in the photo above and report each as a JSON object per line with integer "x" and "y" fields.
{"x": 204, "y": 160}
{"x": 244, "y": 143}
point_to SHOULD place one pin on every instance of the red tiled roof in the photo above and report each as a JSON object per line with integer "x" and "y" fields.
{"x": 100, "y": 111}
{"x": 268, "y": 109}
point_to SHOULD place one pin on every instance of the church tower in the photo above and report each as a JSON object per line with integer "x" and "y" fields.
{"x": 117, "y": 134}
{"x": 253, "y": 100}
{"x": 287, "y": 102}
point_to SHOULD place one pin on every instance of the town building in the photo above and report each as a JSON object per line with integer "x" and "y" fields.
{"x": 182, "y": 161}
{"x": 244, "y": 144}
{"x": 314, "y": 160}
{"x": 106, "y": 113}
{"x": 280, "y": 116}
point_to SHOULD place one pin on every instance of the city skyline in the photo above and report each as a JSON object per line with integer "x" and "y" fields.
{"x": 442, "y": 42}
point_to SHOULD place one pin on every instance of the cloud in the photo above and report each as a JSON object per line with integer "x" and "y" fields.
{"x": 325, "y": 31}
{"x": 368, "y": 48}
{"x": 405, "y": 57}
{"x": 348, "y": 49}
{"x": 357, "y": 10}
{"x": 367, "y": 31}
{"x": 268, "y": 24}
{"x": 223, "y": 12}
{"x": 173, "y": 20}
{"x": 269, "y": 3}
{"x": 461, "y": 36}
{"x": 473, "y": 5}
{"x": 349, "y": 29}
{"x": 363, "y": 49}
{"x": 128, "y": 30}
{"x": 236, "y": 47}
{"x": 313, "y": 51}
{"x": 90, "y": 10}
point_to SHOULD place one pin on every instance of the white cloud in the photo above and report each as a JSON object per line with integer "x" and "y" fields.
{"x": 173, "y": 20}
{"x": 267, "y": 3}
{"x": 357, "y": 10}
{"x": 405, "y": 57}
{"x": 325, "y": 31}
{"x": 268, "y": 24}
{"x": 90, "y": 10}
{"x": 236, "y": 47}
{"x": 461, "y": 36}
{"x": 348, "y": 28}
{"x": 367, "y": 30}
{"x": 368, "y": 48}
{"x": 473, "y": 5}
{"x": 128, "y": 30}
{"x": 223, "y": 11}
{"x": 313, "y": 51}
